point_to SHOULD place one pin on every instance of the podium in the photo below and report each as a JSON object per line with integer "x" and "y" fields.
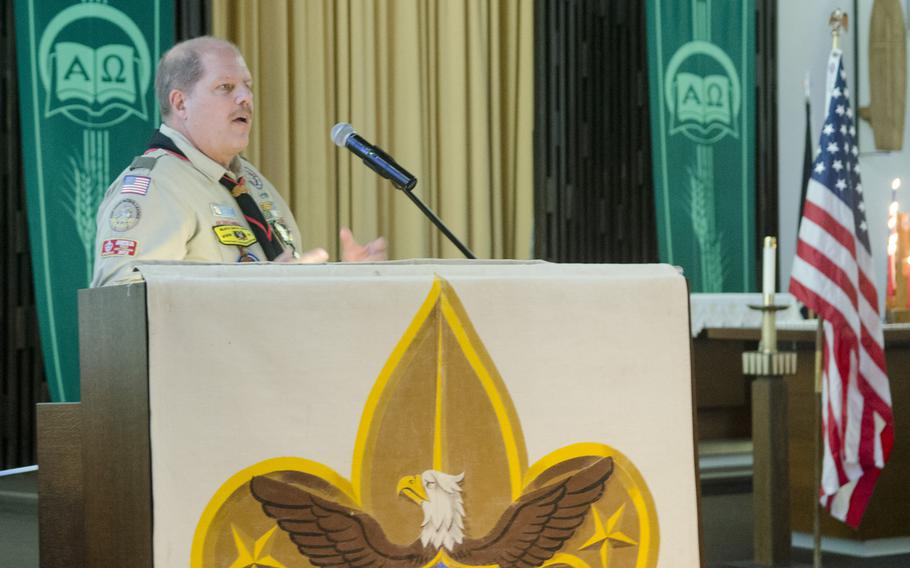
{"x": 241, "y": 415}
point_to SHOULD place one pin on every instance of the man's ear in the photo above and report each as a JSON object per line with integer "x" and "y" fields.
{"x": 178, "y": 102}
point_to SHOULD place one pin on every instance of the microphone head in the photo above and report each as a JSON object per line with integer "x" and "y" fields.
{"x": 340, "y": 133}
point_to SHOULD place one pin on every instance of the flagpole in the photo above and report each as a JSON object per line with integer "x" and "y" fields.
{"x": 816, "y": 516}
{"x": 838, "y": 22}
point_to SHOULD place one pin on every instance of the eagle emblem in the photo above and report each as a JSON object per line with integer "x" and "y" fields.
{"x": 440, "y": 407}
{"x": 528, "y": 533}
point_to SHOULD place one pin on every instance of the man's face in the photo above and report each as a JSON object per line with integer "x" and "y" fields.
{"x": 217, "y": 113}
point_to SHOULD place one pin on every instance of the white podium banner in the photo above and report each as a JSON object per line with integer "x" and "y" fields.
{"x": 417, "y": 414}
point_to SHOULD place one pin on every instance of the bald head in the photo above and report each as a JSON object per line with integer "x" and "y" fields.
{"x": 182, "y": 66}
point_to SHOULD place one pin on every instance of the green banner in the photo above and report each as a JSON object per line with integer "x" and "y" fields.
{"x": 87, "y": 106}
{"x": 701, "y": 58}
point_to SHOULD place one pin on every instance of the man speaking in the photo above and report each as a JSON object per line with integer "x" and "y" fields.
{"x": 191, "y": 196}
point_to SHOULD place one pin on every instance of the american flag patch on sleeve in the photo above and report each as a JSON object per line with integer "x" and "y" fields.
{"x": 136, "y": 185}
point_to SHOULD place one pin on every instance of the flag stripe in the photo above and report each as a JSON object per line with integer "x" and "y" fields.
{"x": 829, "y": 267}
{"x": 879, "y": 389}
{"x": 833, "y": 229}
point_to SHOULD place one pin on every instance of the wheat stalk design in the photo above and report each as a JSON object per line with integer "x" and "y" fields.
{"x": 82, "y": 205}
{"x": 697, "y": 206}
{"x": 702, "y": 213}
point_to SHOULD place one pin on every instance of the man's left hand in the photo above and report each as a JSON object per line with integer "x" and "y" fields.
{"x": 352, "y": 251}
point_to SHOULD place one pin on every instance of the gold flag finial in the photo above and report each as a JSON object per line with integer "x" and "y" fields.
{"x": 839, "y": 21}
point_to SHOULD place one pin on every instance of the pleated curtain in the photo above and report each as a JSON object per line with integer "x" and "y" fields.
{"x": 444, "y": 86}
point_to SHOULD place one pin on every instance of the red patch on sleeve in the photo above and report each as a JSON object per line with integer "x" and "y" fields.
{"x": 118, "y": 247}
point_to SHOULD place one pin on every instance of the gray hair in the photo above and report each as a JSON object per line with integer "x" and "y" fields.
{"x": 181, "y": 67}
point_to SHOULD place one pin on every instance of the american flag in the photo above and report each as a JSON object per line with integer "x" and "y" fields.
{"x": 832, "y": 274}
{"x": 137, "y": 185}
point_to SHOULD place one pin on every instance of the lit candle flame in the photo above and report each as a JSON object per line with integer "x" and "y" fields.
{"x": 896, "y": 184}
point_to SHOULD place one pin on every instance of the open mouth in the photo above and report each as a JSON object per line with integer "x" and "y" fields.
{"x": 242, "y": 120}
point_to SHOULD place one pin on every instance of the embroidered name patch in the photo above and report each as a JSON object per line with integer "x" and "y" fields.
{"x": 125, "y": 215}
{"x": 118, "y": 247}
{"x": 136, "y": 185}
{"x": 234, "y": 235}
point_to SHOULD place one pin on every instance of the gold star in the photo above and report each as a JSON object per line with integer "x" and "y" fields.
{"x": 261, "y": 556}
{"x": 607, "y": 536}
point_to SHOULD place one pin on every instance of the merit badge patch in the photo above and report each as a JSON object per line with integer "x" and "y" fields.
{"x": 118, "y": 247}
{"x": 253, "y": 177}
{"x": 125, "y": 215}
{"x": 234, "y": 235}
{"x": 136, "y": 185}
{"x": 248, "y": 257}
{"x": 222, "y": 210}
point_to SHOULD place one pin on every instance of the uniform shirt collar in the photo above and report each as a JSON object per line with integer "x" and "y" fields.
{"x": 200, "y": 161}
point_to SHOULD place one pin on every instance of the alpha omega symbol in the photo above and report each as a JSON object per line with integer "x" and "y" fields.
{"x": 703, "y": 93}
{"x": 94, "y": 85}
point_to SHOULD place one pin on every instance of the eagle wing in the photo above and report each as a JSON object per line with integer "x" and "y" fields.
{"x": 330, "y": 534}
{"x": 539, "y": 523}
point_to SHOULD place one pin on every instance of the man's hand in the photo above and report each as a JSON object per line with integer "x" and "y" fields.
{"x": 352, "y": 251}
{"x": 314, "y": 256}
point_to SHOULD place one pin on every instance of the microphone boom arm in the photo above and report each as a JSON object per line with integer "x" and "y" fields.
{"x": 439, "y": 224}
{"x": 344, "y": 136}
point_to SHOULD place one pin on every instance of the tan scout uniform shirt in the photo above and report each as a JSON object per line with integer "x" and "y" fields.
{"x": 169, "y": 211}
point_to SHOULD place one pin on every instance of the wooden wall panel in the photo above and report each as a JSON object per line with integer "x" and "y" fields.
{"x": 22, "y": 382}
{"x": 766, "y": 182}
{"x": 592, "y": 144}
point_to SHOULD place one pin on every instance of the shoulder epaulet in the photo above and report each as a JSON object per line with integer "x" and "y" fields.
{"x": 144, "y": 162}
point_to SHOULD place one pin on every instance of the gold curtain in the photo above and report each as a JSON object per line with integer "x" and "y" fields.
{"x": 444, "y": 86}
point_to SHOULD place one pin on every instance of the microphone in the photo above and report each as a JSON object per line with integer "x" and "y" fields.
{"x": 344, "y": 136}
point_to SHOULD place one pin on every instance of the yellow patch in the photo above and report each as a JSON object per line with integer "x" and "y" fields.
{"x": 234, "y": 235}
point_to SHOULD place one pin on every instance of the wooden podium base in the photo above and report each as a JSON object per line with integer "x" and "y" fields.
{"x": 771, "y": 474}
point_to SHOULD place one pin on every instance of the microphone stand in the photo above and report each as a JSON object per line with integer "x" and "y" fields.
{"x": 439, "y": 224}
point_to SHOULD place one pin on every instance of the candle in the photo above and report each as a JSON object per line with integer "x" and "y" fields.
{"x": 907, "y": 279}
{"x": 768, "y": 269}
{"x": 893, "y": 211}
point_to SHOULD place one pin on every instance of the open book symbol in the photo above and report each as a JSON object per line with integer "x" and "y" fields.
{"x": 95, "y": 76}
{"x": 703, "y": 100}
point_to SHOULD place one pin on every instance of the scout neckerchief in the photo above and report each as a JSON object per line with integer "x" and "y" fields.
{"x": 261, "y": 229}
